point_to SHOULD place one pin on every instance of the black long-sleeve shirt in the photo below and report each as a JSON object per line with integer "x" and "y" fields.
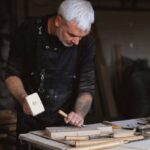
{"x": 23, "y": 53}
{"x": 45, "y": 65}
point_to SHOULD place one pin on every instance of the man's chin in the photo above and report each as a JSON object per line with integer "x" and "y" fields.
{"x": 67, "y": 45}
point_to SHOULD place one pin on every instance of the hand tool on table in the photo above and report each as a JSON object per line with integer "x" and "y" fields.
{"x": 115, "y": 126}
{"x": 65, "y": 115}
{"x": 144, "y": 129}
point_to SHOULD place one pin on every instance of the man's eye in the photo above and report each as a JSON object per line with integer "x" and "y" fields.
{"x": 71, "y": 35}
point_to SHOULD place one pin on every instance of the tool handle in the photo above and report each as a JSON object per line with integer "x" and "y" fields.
{"x": 62, "y": 113}
{"x": 114, "y": 126}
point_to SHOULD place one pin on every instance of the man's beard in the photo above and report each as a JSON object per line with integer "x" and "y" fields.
{"x": 67, "y": 45}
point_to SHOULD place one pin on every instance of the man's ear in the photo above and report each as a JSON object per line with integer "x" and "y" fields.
{"x": 58, "y": 21}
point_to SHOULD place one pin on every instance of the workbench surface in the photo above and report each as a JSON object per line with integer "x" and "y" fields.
{"x": 47, "y": 144}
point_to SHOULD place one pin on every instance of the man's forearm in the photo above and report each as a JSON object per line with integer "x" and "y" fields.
{"x": 83, "y": 104}
{"x": 16, "y": 88}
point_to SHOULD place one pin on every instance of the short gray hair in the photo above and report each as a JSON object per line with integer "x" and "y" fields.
{"x": 80, "y": 11}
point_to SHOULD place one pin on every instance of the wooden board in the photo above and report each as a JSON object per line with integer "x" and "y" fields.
{"x": 90, "y": 130}
{"x": 42, "y": 143}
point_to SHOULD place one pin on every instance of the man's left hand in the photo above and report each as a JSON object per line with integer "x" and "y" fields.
{"x": 74, "y": 119}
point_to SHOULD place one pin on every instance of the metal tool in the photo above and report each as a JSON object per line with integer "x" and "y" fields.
{"x": 115, "y": 126}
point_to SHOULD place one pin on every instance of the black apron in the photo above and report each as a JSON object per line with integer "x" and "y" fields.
{"x": 53, "y": 83}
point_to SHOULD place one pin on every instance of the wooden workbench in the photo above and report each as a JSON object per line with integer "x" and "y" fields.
{"x": 48, "y": 144}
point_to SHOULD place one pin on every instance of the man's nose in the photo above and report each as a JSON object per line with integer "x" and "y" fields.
{"x": 76, "y": 40}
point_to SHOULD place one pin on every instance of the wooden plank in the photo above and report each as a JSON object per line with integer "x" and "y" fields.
{"x": 8, "y": 121}
{"x": 104, "y": 86}
{"x": 88, "y": 130}
{"x": 5, "y": 114}
{"x": 102, "y": 127}
{"x": 123, "y": 133}
{"x": 98, "y": 109}
{"x": 43, "y": 143}
{"x": 110, "y": 104}
{"x": 99, "y": 146}
{"x": 104, "y": 140}
{"x": 3, "y": 135}
{"x": 41, "y": 133}
{"x": 7, "y": 117}
{"x": 47, "y": 144}
{"x": 116, "y": 65}
{"x": 61, "y": 132}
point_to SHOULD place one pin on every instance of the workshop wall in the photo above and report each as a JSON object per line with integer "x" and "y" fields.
{"x": 127, "y": 29}
{"x": 127, "y": 34}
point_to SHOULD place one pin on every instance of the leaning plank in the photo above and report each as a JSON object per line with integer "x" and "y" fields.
{"x": 109, "y": 101}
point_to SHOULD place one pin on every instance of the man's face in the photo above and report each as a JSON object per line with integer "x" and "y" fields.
{"x": 68, "y": 32}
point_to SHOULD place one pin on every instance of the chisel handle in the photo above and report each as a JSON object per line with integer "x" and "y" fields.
{"x": 62, "y": 113}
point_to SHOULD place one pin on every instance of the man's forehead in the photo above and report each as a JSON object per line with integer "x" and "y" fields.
{"x": 73, "y": 29}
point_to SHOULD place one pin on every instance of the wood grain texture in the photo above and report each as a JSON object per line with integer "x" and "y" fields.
{"x": 76, "y": 138}
{"x": 99, "y": 146}
{"x": 88, "y": 130}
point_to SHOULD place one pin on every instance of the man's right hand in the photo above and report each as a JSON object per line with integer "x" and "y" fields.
{"x": 26, "y": 108}
{"x": 16, "y": 88}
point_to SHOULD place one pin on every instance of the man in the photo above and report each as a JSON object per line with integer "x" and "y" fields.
{"x": 53, "y": 56}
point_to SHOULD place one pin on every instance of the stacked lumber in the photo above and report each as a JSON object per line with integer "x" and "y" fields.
{"x": 7, "y": 129}
{"x": 92, "y": 137}
{"x": 93, "y": 130}
{"x": 87, "y": 139}
{"x": 101, "y": 143}
{"x": 7, "y": 121}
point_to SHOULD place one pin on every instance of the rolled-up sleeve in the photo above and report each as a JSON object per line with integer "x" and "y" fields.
{"x": 87, "y": 66}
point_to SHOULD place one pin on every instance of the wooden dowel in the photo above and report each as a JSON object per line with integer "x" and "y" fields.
{"x": 100, "y": 141}
{"x": 76, "y": 138}
{"x": 100, "y": 146}
{"x": 114, "y": 126}
{"x": 93, "y": 142}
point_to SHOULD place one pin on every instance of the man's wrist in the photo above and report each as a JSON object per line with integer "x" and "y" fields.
{"x": 83, "y": 104}
{"x": 22, "y": 99}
